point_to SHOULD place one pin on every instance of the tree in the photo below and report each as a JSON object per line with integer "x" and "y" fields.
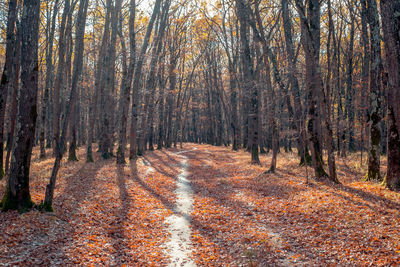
{"x": 137, "y": 81}
{"x": 375, "y": 99}
{"x": 7, "y": 72}
{"x": 126, "y": 86}
{"x": 59, "y": 76}
{"x": 391, "y": 30}
{"x": 78, "y": 61}
{"x": 295, "y": 90}
{"x": 51, "y": 24}
{"x": 311, "y": 35}
{"x": 17, "y": 195}
{"x": 249, "y": 82}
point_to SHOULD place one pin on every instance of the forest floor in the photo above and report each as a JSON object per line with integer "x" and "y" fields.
{"x": 235, "y": 214}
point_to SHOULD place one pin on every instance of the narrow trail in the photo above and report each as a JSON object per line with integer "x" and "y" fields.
{"x": 179, "y": 247}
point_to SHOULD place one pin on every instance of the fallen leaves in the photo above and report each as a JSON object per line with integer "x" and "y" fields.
{"x": 109, "y": 215}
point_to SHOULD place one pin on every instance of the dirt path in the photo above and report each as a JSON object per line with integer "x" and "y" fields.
{"x": 179, "y": 247}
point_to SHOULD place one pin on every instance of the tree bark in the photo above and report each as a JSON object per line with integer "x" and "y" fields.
{"x": 126, "y": 86}
{"x": 391, "y": 30}
{"x": 311, "y": 44}
{"x": 49, "y": 78}
{"x": 6, "y": 76}
{"x": 137, "y": 81}
{"x": 78, "y": 62}
{"x": 249, "y": 82}
{"x": 17, "y": 195}
{"x": 98, "y": 84}
{"x": 375, "y": 113}
{"x": 59, "y": 77}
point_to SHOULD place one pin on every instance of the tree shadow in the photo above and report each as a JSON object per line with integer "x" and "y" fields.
{"x": 134, "y": 174}
{"x": 78, "y": 190}
{"x": 382, "y": 202}
{"x": 78, "y": 187}
{"x": 160, "y": 165}
{"x": 116, "y": 231}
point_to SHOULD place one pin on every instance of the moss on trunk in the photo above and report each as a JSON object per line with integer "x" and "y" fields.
{"x": 21, "y": 202}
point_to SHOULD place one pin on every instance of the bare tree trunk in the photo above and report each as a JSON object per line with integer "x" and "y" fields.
{"x": 249, "y": 82}
{"x": 137, "y": 81}
{"x": 391, "y": 30}
{"x": 311, "y": 43}
{"x": 49, "y": 77}
{"x": 126, "y": 86}
{"x": 6, "y": 77}
{"x": 170, "y": 99}
{"x": 74, "y": 124}
{"x": 349, "y": 83}
{"x": 272, "y": 115}
{"x": 17, "y": 195}
{"x": 78, "y": 61}
{"x": 150, "y": 88}
{"x": 98, "y": 84}
{"x": 59, "y": 77}
{"x": 161, "y": 88}
{"x": 375, "y": 113}
{"x": 326, "y": 107}
{"x": 295, "y": 89}
{"x": 365, "y": 73}
{"x": 14, "y": 107}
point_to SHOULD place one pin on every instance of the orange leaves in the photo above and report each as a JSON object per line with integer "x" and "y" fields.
{"x": 315, "y": 224}
{"x": 115, "y": 216}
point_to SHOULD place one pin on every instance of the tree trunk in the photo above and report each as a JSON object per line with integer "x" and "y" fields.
{"x": 391, "y": 30}
{"x": 249, "y": 82}
{"x": 49, "y": 77}
{"x": 126, "y": 86}
{"x": 14, "y": 107}
{"x": 6, "y": 77}
{"x": 375, "y": 113}
{"x": 151, "y": 80}
{"x": 79, "y": 47}
{"x": 295, "y": 89}
{"x": 137, "y": 81}
{"x": 349, "y": 84}
{"x": 98, "y": 84}
{"x": 310, "y": 26}
{"x": 17, "y": 195}
{"x": 59, "y": 77}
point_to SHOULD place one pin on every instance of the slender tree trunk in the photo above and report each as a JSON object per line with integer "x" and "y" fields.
{"x": 350, "y": 88}
{"x": 137, "y": 81}
{"x": 150, "y": 88}
{"x": 311, "y": 43}
{"x": 326, "y": 107}
{"x": 98, "y": 84}
{"x": 295, "y": 88}
{"x": 6, "y": 77}
{"x": 365, "y": 74}
{"x": 49, "y": 77}
{"x": 59, "y": 77}
{"x": 14, "y": 107}
{"x": 78, "y": 62}
{"x": 74, "y": 124}
{"x": 249, "y": 82}
{"x": 375, "y": 113}
{"x": 126, "y": 86}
